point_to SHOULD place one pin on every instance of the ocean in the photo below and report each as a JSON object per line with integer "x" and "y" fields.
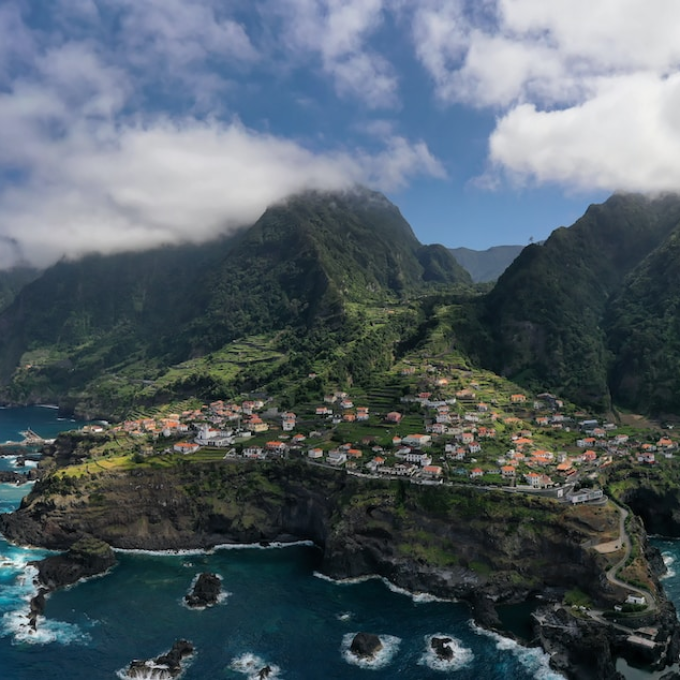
{"x": 277, "y": 610}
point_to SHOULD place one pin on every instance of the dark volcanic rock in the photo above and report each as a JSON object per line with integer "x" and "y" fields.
{"x": 36, "y": 608}
{"x": 206, "y": 591}
{"x": 484, "y": 613}
{"x": 10, "y": 477}
{"x": 164, "y": 667}
{"x": 365, "y": 645}
{"x": 441, "y": 646}
{"x": 87, "y": 557}
{"x": 584, "y": 649}
{"x": 579, "y": 648}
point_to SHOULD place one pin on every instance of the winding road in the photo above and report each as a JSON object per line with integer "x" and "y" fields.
{"x": 624, "y": 540}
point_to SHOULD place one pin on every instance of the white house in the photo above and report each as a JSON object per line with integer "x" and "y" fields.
{"x": 336, "y": 457}
{"x": 417, "y": 440}
{"x": 186, "y": 447}
{"x": 208, "y": 436}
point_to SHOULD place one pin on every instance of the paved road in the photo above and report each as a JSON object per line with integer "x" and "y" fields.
{"x": 624, "y": 539}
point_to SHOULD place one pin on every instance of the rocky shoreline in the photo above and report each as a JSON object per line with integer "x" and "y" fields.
{"x": 87, "y": 557}
{"x": 367, "y": 529}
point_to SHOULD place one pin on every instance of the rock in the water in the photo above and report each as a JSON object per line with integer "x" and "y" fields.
{"x": 365, "y": 645}
{"x": 442, "y": 647}
{"x": 206, "y": 591}
{"x": 164, "y": 667}
{"x": 264, "y": 672}
{"x": 36, "y": 608}
{"x": 11, "y": 477}
{"x": 87, "y": 557}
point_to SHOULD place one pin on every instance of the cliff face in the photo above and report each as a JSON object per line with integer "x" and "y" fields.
{"x": 455, "y": 542}
{"x": 452, "y": 542}
{"x": 659, "y": 509}
{"x": 183, "y": 507}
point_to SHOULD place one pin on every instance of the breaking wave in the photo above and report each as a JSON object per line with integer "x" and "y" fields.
{"x": 462, "y": 656}
{"x": 250, "y": 665}
{"x": 382, "y": 658}
{"x": 534, "y": 659}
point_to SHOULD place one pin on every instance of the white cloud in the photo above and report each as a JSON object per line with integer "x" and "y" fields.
{"x": 86, "y": 167}
{"x": 179, "y": 33}
{"x": 338, "y": 32}
{"x": 170, "y": 182}
{"x": 546, "y": 52}
{"x": 624, "y": 137}
{"x": 585, "y": 89}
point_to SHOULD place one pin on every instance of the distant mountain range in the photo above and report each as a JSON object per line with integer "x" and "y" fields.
{"x": 339, "y": 283}
{"x": 486, "y": 265}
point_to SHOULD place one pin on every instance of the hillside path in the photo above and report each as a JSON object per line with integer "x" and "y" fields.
{"x": 624, "y": 540}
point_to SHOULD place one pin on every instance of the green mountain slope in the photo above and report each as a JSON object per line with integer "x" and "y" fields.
{"x": 643, "y": 330}
{"x": 545, "y": 314}
{"x": 486, "y": 265}
{"x": 82, "y": 317}
{"x": 303, "y": 260}
{"x": 13, "y": 280}
{"x": 306, "y": 267}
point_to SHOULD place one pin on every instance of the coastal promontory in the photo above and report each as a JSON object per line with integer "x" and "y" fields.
{"x": 487, "y": 547}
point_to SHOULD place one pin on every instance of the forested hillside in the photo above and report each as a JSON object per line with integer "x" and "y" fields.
{"x": 546, "y": 315}
{"x": 97, "y": 326}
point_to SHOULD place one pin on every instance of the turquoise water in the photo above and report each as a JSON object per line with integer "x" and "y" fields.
{"x": 278, "y": 611}
{"x": 43, "y": 420}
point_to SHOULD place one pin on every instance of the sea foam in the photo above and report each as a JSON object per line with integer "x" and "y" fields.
{"x": 418, "y": 597}
{"x": 250, "y": 664}
{"x": 189, "y": 552}
{"x": 534, "y": 659}
{"x": 669, "y": 561}
{"x": 15, "y": 604}
{"x": 462, "y": 656}
{"x": 382, "y": 658}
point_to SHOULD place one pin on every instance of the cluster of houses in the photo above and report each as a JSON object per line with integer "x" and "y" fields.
{"x": 463, "y": 437}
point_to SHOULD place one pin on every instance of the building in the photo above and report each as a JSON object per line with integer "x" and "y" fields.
{"x": 186, "y": 447}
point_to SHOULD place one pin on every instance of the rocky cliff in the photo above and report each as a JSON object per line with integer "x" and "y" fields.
{"x": 482, "y": 546}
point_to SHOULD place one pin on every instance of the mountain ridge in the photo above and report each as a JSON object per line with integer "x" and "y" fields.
{"x": 302, "y": 266}
{"x": 486, "y": 265}
{"x": 546, "y": 313}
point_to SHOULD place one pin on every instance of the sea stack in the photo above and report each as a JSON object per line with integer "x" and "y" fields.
{"x": 365, "y": 645}
{"x": 442, "y": 647}
{"x": 165, "y": 667}
{"x": 206, "y": 591}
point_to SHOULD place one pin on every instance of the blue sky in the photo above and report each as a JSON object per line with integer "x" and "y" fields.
{"x": 125, "y": 124}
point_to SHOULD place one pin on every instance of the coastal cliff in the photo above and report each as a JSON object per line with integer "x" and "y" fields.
{"x": 485, "y": 547}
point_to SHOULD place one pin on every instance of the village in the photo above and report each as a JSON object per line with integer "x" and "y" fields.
{"x": 467, "y": 428}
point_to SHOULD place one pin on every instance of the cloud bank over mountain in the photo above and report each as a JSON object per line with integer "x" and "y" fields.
{"x": 128, "y": 124}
